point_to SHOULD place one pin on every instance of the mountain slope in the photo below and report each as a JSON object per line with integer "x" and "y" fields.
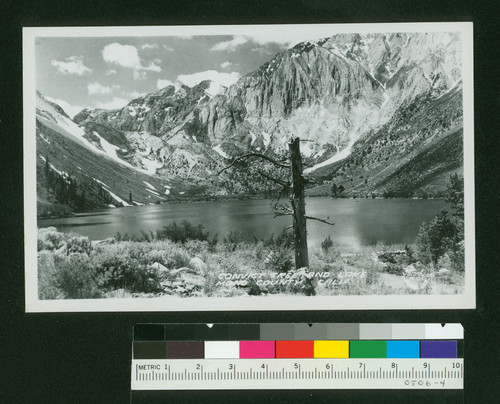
{"x": 82, "y": 172}
{"x": 413, "y": 153}
{"x": 381, "y": 114}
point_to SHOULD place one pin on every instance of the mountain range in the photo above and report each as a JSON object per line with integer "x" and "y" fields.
{"x": 379, "y": 115}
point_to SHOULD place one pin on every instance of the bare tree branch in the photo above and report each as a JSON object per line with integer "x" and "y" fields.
{"x": 248, "y": 155}
{"x": 282, "y": 208}
{"x": 275, "y": 180}
{"x": 320, "y": 220}
{"x": 278, "y": 214}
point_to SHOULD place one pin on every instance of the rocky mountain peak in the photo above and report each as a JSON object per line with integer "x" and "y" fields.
{"x": 337, "y": 92}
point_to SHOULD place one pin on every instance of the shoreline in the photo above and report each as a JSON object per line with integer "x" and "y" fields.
{"x": 221, "y": 199}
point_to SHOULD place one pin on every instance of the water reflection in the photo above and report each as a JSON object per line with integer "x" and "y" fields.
{"x": 358, "y": 222}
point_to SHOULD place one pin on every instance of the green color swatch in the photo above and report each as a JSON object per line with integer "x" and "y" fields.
{"x": 368, "y": 349}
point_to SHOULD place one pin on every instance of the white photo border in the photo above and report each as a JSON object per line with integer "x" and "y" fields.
{"x": 467, "y": 300}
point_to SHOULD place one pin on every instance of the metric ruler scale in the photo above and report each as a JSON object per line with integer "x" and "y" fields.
{"x": 296, "y": 356}
{"x": 249, "y": 374}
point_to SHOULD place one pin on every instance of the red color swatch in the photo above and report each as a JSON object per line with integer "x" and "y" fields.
{"x": 294, "y": 349}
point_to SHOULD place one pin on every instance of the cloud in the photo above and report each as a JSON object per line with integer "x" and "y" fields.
{"x": 115, "y": 103}
{"x": 284, "y": 37}
{"x": 72, "y": 65}
{"x": 225, "y": 65}
{"x": 168, "y": 48}
{"x": 134, "y": 94}
{"x": 128, "y": 56}
{"x": 111, "y": 72}
{"x": 71, "y": 110}
{"x": 139, "y": 75}
{"x": 230, "y": 45}
{"x": 262, "y": 51}
{"x": 162, "y": 83}
{"x": 224, "y": 79}
{"x": 98, "y": 88}
{"x": 123, "y": 55}
{"x": 149, "y": 46}
{"x": 263, "y": 37}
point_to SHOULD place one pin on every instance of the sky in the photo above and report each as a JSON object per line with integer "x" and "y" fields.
{"x": 108, "y": 72}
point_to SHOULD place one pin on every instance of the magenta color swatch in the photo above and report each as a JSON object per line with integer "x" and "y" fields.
{"x": 256, "y": 349}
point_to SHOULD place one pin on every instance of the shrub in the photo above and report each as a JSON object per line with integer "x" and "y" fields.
{"x": 410, "y": 254}
{"x": 47, "y": 277}
{"x": 183, "y": 232}
{"x": 122, "y": 237}
{"x": 196, "y": 247}
{"x": 133, "y": 237}
{"x": 295, "y": 282}
{"x": 53, "y": 210}
{"x": 279, "y": 259}
{"x": 78, "y": 244}
{"x": 253, "y": 288}
{"x": 76, "y": 277}
{"x": 49, "y": 239}
{"x": 326, "y": 244}
{"x": 122, "y": 271}
{"x": 178, "y": 259}
{"x": 457, "y": 257}
{"x": 149, "y": 235}
{"x": 212, "y": 243}
{"x": 284, "y": 238}
{"x": 233, "y": 240}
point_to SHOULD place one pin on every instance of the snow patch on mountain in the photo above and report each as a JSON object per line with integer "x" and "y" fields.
{"x": 44, "y": 138}
{"x": 109, "y": 148}
{"x": 153, "y": 192}
{"x": 214, "y": 89}
{"x": 151, "y": 166}
{"x": 114, "y": 196}
{"x": 254, "y": 138}
{"x": 336, "y": 157}
{"x": 54, "y": 120}
{"x": 100, "y": 182}
{"x": 117, "y": 198}
{"x": 149, "y": 185}
{"x": 266, "y": 138}
{"x": 219, "y": 150}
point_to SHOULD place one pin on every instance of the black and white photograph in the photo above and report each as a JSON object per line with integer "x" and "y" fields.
{"x": 249, "y": 167}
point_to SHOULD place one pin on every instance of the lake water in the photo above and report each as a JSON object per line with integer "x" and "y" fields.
{"x": 358, "y": 222}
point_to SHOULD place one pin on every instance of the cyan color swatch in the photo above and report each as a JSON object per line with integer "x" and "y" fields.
{"x": 403, "y": 349}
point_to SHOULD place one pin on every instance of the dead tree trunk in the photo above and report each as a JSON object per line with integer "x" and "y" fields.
{"x": 297, "y": 200}
{"x": 298, "y": 205}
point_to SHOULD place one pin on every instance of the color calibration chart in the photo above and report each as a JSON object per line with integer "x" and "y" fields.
{"x": 297, "y": 356}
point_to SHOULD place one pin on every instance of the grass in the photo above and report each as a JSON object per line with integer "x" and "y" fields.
{"x": 71, "y": 267}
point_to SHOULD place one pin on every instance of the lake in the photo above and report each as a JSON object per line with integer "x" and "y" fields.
{"x": 358, "y": 222}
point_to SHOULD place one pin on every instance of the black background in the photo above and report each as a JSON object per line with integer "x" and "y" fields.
{"x": 67, "y": 358}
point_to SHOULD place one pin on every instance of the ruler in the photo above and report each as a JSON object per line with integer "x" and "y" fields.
{"x": 296, "y": 356}
{"x": 278, "y": 374}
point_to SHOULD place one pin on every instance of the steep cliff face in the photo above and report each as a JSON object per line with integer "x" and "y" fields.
{"x": 156, "y": 113}
{"x": 339, "y": 93}
{"x": 309, "y": 90}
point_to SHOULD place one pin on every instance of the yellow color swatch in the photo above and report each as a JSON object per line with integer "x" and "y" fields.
{"x": 331, "y": 349}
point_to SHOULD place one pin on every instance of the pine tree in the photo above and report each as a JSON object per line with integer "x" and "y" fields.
{"x": 334, "y": 190}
